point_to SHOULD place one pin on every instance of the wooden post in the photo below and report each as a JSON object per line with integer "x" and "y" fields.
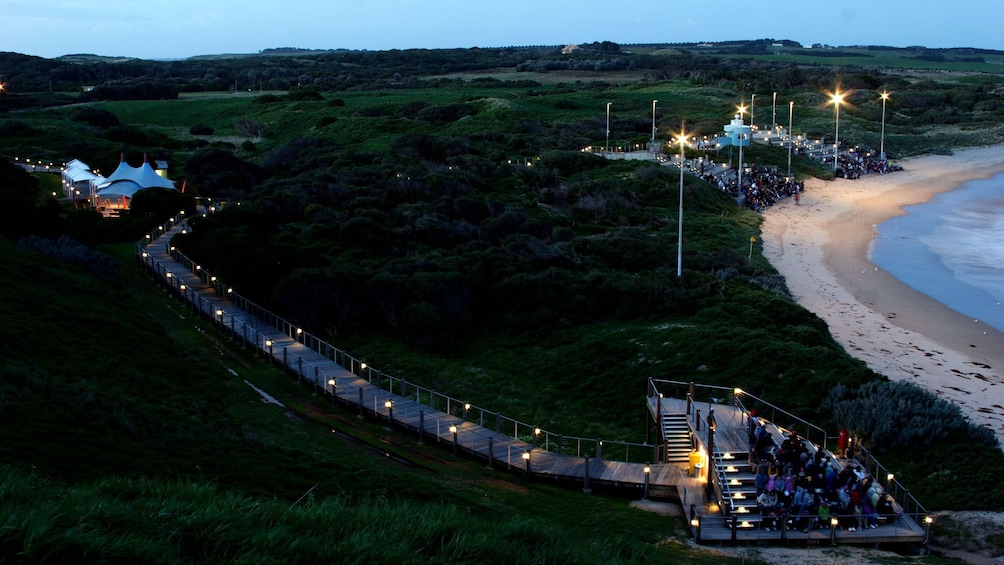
{"x": 285, "y": 359}
{"x": 585, "y": 478}
{"x": 491, "y": 452}
{"x": 421, "y": 427}
{"x": 360, "y": 402}
{"x": 734, "y": 525}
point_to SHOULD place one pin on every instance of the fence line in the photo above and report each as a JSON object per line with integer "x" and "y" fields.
{"x": 224, "y": 313}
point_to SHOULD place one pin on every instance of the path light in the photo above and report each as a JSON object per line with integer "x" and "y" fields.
{"x": 536, "y": 435}
{"x": 648, "y": 472}
{"x": 526, "y": 462}
{"x": 333, "y": 384}
{"x": 467, "y": 407}
{"x": 389, "y": 405}
{"x": 268, "y": 343}
{"x": 453, "y": 430}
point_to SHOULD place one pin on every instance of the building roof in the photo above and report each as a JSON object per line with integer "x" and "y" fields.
{"x": 143, "y": 176}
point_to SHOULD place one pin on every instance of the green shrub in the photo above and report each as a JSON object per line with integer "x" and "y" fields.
{"x": 201, "y": 129}
{"x": 887, "y": 414}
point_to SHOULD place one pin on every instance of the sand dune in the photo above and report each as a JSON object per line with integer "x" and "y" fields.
{"x": 821, "y": 246}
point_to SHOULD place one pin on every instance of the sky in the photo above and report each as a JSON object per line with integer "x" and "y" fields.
{"x": 178, "y": 29}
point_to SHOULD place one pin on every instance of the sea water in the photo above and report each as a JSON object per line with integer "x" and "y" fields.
{"x": 951, "y": 249}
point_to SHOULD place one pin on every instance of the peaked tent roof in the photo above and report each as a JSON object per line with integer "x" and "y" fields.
{"x": 144, "y": 176}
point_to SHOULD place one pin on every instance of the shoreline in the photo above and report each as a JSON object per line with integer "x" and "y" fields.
{"x": 822, "y": 247}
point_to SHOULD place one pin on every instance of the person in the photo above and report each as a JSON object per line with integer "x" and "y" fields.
{"x": 842, "y": 437}
{"x": 761, "y": 478}
{"x": 796, "y": 204}
{"x": 767, "y": 504}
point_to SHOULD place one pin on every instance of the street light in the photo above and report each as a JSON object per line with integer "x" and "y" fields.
{"x": 791, "y": 140}
{"x": 679, "y": 238}
{"x": 773, "y": 115}
{"x": 885, "y": 98}
{"x": 606, "y": 151}
{"x": 653, "y": 125}
{"x": 836, "y": 99}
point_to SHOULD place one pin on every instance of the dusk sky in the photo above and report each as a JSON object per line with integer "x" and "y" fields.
{"x": 184, "y": 28}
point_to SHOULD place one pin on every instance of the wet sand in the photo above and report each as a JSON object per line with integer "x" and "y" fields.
{"x": 822, "y": 245}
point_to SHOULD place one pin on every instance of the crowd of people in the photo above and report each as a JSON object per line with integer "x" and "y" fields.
{"x": 853, "y": 165}
{"x": 763, "y": 186}
{"x": 803, "y": 490}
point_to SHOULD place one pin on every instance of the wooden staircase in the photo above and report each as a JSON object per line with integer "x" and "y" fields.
{"x": 676, "y": 435}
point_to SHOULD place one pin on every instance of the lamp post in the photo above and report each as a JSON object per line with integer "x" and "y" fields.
{"x": 679, "y": 237}
{"x": 836, "y": 99}
{"x": 526, "y": 461}
{"x": 791, "y": 140}
{"x": 606, "y": 149}
{"x": 742, "y": 126}
{"x": 389, "y": 405}
{"x": 453, "y": 430}
{"x": 885, "y": 98}
{"x": 268, "y": 342}
{"x": 333, "y": 384}
{"x": 653, "y": 125}
{"x": 773, "y": 114}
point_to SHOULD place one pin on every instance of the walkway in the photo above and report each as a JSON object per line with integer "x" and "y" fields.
{"x": 501, "y": 442}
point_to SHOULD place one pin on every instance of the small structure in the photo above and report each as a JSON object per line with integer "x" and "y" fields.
{"x": 116, "y": 192}
{"x": 78, "y": 179}
{"x": 736, "y": 133}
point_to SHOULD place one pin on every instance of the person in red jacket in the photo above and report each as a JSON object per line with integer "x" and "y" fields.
{"x": 842, "y": 443}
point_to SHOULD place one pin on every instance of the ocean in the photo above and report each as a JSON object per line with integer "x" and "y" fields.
{"x": 951, "y": 249}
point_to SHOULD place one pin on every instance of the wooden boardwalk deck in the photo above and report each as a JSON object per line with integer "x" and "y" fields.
{"x": 416, "y": 410}
{"x": 409, "y": 407}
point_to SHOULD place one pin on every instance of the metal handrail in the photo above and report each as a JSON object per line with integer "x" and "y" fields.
{"x": 540, "y": 438}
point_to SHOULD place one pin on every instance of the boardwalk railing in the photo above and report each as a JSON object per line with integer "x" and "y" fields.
{"x": 225, "y": 305}
{"x": 745, "y": 402}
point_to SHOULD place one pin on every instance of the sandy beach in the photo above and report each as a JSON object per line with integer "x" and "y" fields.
{"x": 821, "y": 246}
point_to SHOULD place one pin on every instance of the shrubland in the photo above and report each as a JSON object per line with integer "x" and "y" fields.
{"x": 448, "y": 230}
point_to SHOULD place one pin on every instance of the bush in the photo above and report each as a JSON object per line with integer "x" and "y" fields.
{"x": 305, "y": 95}
{"x": 886, "y": 414}
{"x": 201, "y": 129}
{"x": 98, "y": 118}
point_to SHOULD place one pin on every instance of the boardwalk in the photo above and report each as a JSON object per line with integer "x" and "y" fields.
{"x": 699, "y": 456}
{"x": 503, "y": 443}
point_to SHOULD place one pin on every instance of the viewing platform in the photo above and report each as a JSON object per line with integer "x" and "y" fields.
{"x": 719, "y": 494}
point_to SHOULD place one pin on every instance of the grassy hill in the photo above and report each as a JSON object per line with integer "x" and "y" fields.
{"x": 549, "y": 273}
{"x": 131, "y": 434}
